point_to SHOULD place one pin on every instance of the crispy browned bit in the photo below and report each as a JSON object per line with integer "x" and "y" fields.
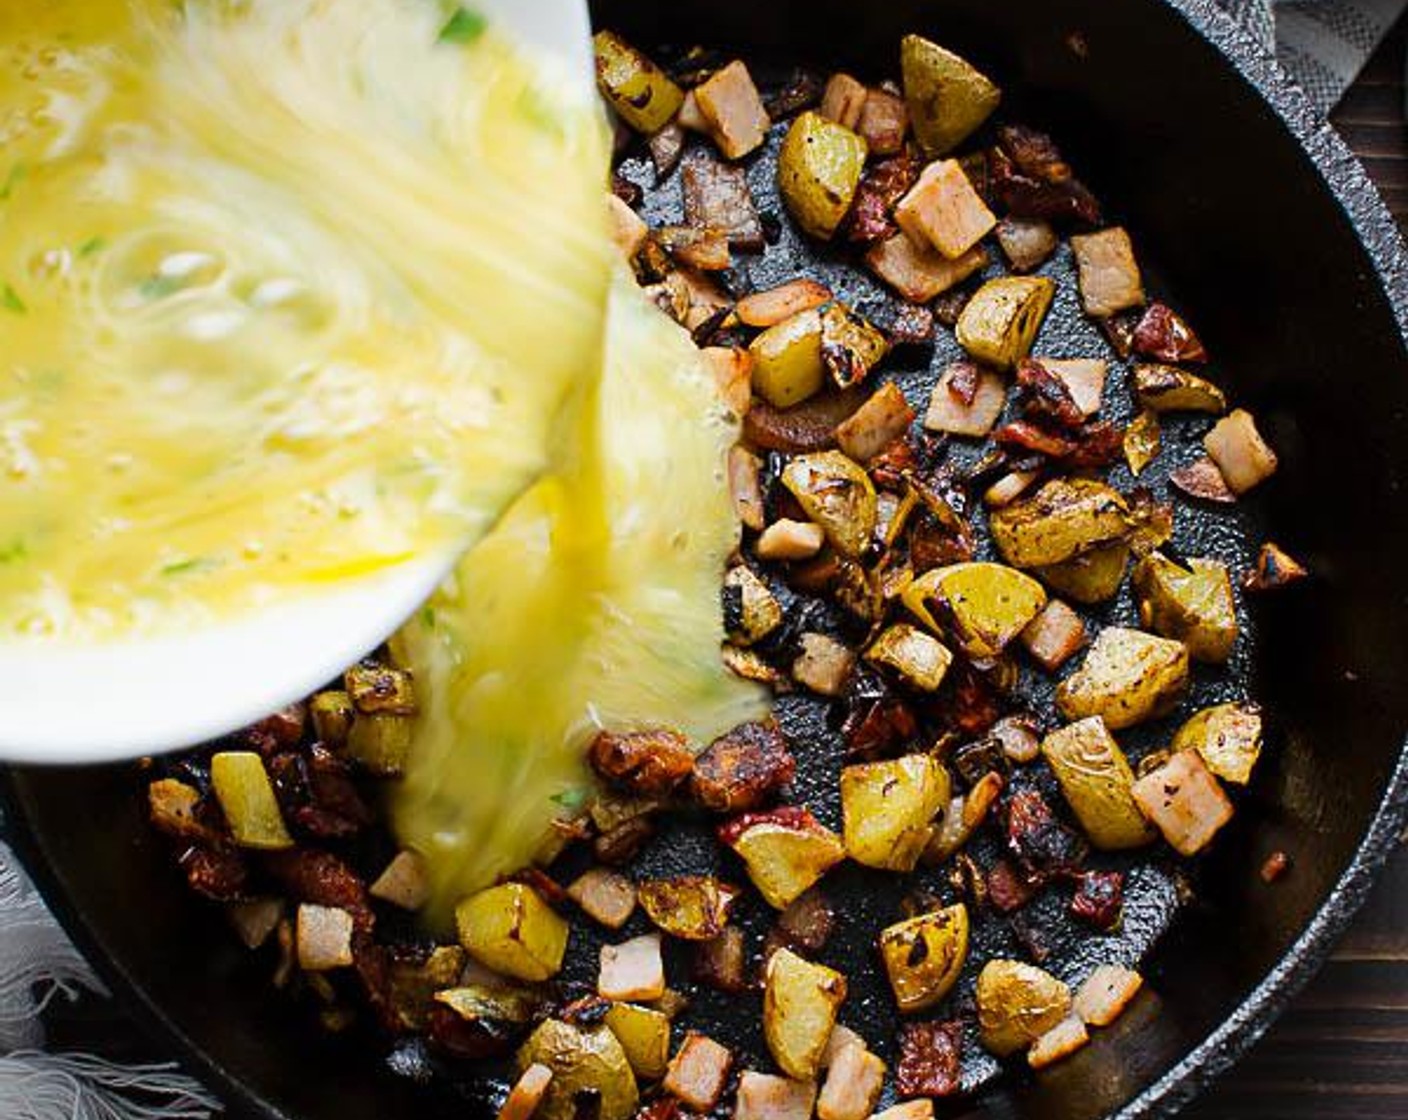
{"x": 704, "y": 248}
{"x": 930, "y": 1059}
{"x": 651, "y": 763}
{"x": 1024, "y": 195}
{"x": 1163, "y": 335}
{"x": 1041, "y": 843}
{"x": 721, "y": 961}
{"x": 178, "y": 810}
{"x": 973, "y": 705}
{"x": 468, "y": 1039}
{"x": 961, "y": 382}
{"x": 911, "y": 325}
{"x": 975, "y": 760}
{"x": 1275, "y": 569}
{"x": 666, "y": 148}
{"x": 311, "y": 875}
{"x": 1099, "y": 898}
{"x": 1152, "y": 521}
{"x": 1276, "y": 865}
{"x": 948, "y": 307}
{"x": 285, "y": 726}
{"x": 377, "y": 689}
{"x": 807, "y": 922}
{"x": 809, "y": 426}
{"x": 1008, "y": 889}
{"x": 623, "y": 843}
{"x": 215, "y": 872}
{"x": 716, "y": 196}
{"x": 1142, "y": 441}
{"x": 1046, "y": 397}
{"x": 881, "y": 187}
{"x": 334, "y": 809}
{"x": 802, "y": 91}
{"x": 743, "y": 768}
{"x": 876, "y": 719}
{"x": 1201, "y": 479}
{"x": 1119, "y": 330}
{"x": 627, "y": 191}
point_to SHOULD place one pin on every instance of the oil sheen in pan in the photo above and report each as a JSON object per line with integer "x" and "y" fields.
{"x": 864, "y": 900}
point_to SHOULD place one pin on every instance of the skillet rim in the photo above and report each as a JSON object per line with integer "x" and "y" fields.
{"x": 1349, "y": 185}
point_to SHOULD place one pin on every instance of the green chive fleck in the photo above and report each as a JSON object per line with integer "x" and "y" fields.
{"x": 91, "y": 246}
{"x": 10, "y": 300}
{"x": 427, "y": 617}
{"x": 14, "y": 552}
{"x": 570, "y": 799}
{"x": 159, "y": 287}
{"x": 463, "y": 28}
{"x": 183, "y": 567}
{"x": 12, "y": 180}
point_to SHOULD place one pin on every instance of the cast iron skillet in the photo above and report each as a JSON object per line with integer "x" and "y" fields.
{"x": 1255, "y": 215}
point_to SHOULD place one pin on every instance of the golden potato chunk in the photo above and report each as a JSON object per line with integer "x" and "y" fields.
{"x": 948, "y": 98}
{"x": 888, "y": 809}
{"x": 924, "y": 956}
{"x": 850, "y": 345}
{"x": 1228, "y": 736}
{"x": 246, "y": 797}
{"x": 1066, "y": 518}
{"x": 1017, "y": 1004}
{"x": 838, "y": 495}
{"x": 943, "y": 210}
{"x": 787, "y": 366}
{"x": 751, "y": 612}
{"x": 919, "y": 273}
{"x": 1127, "y": 677}
{"x": 919, "y": 658}
{"x": 1001, "y": 321}
{"x": 1169, "y": 389}
{"x": 954, "y": 410}
{"x": 1109, "y": 274}
{"x": 690, "y": 907}
{"x": 585, "y": 1061}
{"x": 1185, "y": 801}
{"x": 640, "y": 92}
{"x": 644, "y": 1034}
{"x": 818, "y": 170}
{"x": 1096, "y": 780}
{"x": 786, "y": 852}
{"x": 1094, "y": 577}
{"x": 980, "y": 606}
{"x": 510, "y": 929}
{"x": 800, "y": 1002}
{"x": 1194, "y": 604}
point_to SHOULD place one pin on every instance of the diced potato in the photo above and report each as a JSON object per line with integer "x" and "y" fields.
{"x": 948, "y": 99}
{"x": 332, "y": 714}
{"x": 255, "y": 920}
{"x": 948, "y": 412}
{"x": 1240, "y": 453}
{"x": 246, "y": 797}
{"x": 1170, "y": 389}
{"x": 510, "y": 929}
{"x": 585, "y": 1061}
{"x": 850, "y": 345}
{"x": 690, "y": 907}
{"x": 800, "y": 1001}
{"x": 381, "y": 690}
{"x": 853, "y": 1084}
{"x": 1017, "y": 1004}
{"x": 644, "y": 1034}
{"x": 980, "y": 606}
{"x": 380, "y": 744}
{"x": 884, "y": 120}
{"x": 732, "y": 367}
{"x": 881, "y": 420}
{"x": 632, "y": 970}
{"x": 924, "y": 956}
{"x": 818, "y": 170}
{"x": 605, "y": 896}
{"x": 324, "y": 938}
{"x": 1193, "y": 604}
{"x": 172, "y": 805}
{"x": 1228, "y": 736}
{"x": 888, "y": 809}
{"x": 743, "y": 767}
{"x": 824, "y": 664}
{"x": 640, "y": 92}
{"x": 893, "y": 512}
{"x": 1105, "y": 993}
{"x": 910, "y": 1110}
{"x": 921, "y": 274}
{"x": 773, "y": 306}
{"x": 1127, "y": 677}
{"x": 843, "y": 100}
{"x": 838, "y": 495}
{"x": 1084, "y": 378}
{"x": 1026, "y": 242}
{"x": 943, "y": 210}
{"x": 786, "y": 853}
{"x": 751, "y": 612}
{"x": 405, "y": 882}
{"x": 920, "y": 658}
{"x": 1184, "y": 801}
{"x": 1061, "y": 1041}
{"x": 841, "y": 1037}
{"x": 1054, "y": 636}
{"x": 1096, "y": 780}
{"x": 730, "y": 104}
{"x": 527, "y": 1094}
{"x": 689, "y": 117}
{"x": 628, "y": 229}
{"x": 1001, "y": 321}
{"x": 1143, "y": 439}
{"x": 1094, "y": 577}
{"x": 786, "y": 539}
{"x": 747, "y": 665}
{"x": 787, "y": 365}
{"x": 698, "y": 1072}
{"x": 745, "y": 487}
{"x": 761, "y": 1096}
{"x": 1066, "y": 518}
{"x": 1109, "y": 275}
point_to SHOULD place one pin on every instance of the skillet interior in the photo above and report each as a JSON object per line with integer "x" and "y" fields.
{"x": 1238, "y": 224}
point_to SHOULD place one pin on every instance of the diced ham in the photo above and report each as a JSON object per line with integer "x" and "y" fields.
{"x": 690, "y": 117}
{"x": 786, "y": 539}
{"x": 605, "y": 896}
{"x": 1240, "y": 453}
{"x": 1109, "y": 275}
{"x": 698, "y": 1072}
{"x": 884, "y": 120}
{"x": 1202, "y": 479}
{"x": 716, "y": 196}
{"x": 1054, "y": 636}
{"x": 404, "y": 883}
{"x": 742, "y": 768}
{"x": 876, "y": 424}
{"x": 644, "y": 762}
{"x": 733, "y": 110}
{"x": 910, "y": 1110}
{"x": 949, "y": 413}
{"x": 745, "y": 488}
{"x": 1026, "y": 242}
{"x": 1106, "y": 993}
{"x": 930, "y": 1059}
{"x": 527, "y": 1093}
{"x": 843, "y": 100}
{"x": 775, "y": 305}
{"x": 632, "y": 970}
{"x": 841, "y": 1037}
{"x": 1084, "y": 378}
{"x": 943, "y": 210}
{"x": 706, "y": 249}
{"x": 628, "y": 229}
{"x": 324, "y": 938}
{"x": 1185, "y": 801}
{"x": 921, "y": 274}
{"x": 853, "y": 1085}
{"x": 824, "y": 665}
{"x": 1061, "y": 1041}
{"x": 761, "y": 1096}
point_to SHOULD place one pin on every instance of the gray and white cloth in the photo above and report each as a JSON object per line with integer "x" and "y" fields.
{"x": 1323, "y": 44}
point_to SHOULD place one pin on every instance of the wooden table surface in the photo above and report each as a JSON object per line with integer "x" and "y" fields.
{"x": 1342, "y": 1049}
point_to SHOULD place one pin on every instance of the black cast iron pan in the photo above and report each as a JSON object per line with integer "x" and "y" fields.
{"x": 1254, "y": 216}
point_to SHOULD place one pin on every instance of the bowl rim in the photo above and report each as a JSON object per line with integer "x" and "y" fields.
{"x": 1347, "y": 182}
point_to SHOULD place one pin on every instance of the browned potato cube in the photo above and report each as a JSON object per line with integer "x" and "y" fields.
{"x": 605, "y": 896}
{"x": 1054, "y": 636}
{"x": 786, "y": 851}
{"x": 1109, "y": 275}
{"x": 632, "y": 970}
{"x": 586, "y": 1062}
{"x": 1193, "y": 604}
{"x": 332, "y": 714}
{"x": 876, "y": 424}
{"x": 924, "y": 956}
{"x": 636, "y": 88}
{"x": 948, "y": 98}
{"x": 381, "y": 690}
{"x": 1000, "y": 323}
{"x": 246, "y": 796}
{"x": 1127, "y": 677}
{"x": 818, "y": 170}
{"x": 1228, "y": 736}
{"x": 1170, "y": 389}
{"x": 824, "y": 665}
{"x": 1017, "y": 1004}
{"x": 1093, "y": 577}
{"x": 690, "y": 907}
{"x": 800, "y": 1001}
{"x": 1185, "y": 801}
{"x": 954, "y": 410}
{"x": 888, "y": 809}
{"x": 761, "y": 1096}
{"x": 843, "y": 100}
{"x": 1066, "y": 518}
{"x": 730, "y": 104}
{"x": 1240, "y": 453}
{"x": 1096, "y": 780}
{"x": 983, "y": 606}
{"x": 838, "y": 495}
{"x": 943, "y": 210}
{"x": 698, "y": 1072}
{"x": 921, "y": 659}
{"x": 644, "y": 1034}
{"x": 751, "y": 612}
{"x": 510, "y": 929}
{"x": 787, "y": 365}
{"x": 1061, "y": 1041}
{"x": 921, "y": 274}
{"x": 850, "y": 345}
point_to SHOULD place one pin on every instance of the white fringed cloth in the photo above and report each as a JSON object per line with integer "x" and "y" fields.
{"x": 1322, "y": 43}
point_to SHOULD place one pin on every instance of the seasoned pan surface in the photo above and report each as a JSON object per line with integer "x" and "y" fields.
{"x": 1258, "y": 223}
